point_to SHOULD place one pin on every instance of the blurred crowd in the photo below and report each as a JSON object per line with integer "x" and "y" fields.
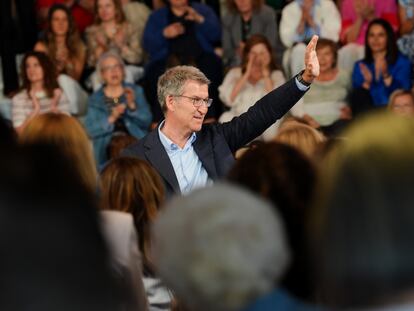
{"x": 314, "y": 214}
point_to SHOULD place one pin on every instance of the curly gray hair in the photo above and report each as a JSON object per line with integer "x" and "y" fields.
{"x": 173, "y": 80}
{"x": 219, "y": 248}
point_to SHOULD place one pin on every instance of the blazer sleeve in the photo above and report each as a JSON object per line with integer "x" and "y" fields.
{"x": 261, "y": 115}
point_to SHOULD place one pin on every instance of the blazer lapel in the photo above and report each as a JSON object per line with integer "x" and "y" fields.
{"x": 158, "y": 157}
{"x": 205, "y": 154}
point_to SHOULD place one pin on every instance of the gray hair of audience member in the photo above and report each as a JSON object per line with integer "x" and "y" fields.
{"x": 172, "y": 82}
{"x": 219, "y": 248}
{"x": 103, "y": 58}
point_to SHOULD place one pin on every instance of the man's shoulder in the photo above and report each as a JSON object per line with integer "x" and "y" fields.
{"x": 210, "y": 131}
{"x": 138, "y": 149}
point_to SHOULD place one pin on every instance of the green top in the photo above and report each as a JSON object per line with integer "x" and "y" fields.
{"x": 324, "y": 100}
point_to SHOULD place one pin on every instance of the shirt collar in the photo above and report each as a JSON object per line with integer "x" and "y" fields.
{"x": 169, "y": 145}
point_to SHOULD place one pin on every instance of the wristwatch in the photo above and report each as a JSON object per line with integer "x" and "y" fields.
{"x": 301, "y": 80}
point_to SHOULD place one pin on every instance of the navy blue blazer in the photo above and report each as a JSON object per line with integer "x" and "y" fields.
{"x": 216, "y": 143}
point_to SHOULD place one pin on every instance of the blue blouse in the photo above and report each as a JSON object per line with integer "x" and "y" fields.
{"x": 401, "y": 79}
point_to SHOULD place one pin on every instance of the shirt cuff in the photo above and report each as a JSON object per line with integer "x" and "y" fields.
{"x": 301, "y": 86}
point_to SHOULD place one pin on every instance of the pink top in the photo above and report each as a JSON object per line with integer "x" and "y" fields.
{"x": 386, "y": 9}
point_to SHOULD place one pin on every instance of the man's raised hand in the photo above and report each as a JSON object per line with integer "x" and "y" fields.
{"x": 311, "y": 61}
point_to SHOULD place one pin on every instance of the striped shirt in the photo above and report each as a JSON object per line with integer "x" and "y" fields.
{"x": 22, "y": 106}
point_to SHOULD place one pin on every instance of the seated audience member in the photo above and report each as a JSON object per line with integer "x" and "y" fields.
{"x": 301, "y": 19}
{"x": 136, "y": 13}
{"x": 133, "y": 186}
{"x": 356, "y": 15}
{"x": 219, "y": 248}
{"x": 56, "y": 258}
{"x": 182, "y": 33}
{"x": 325, "y": 104}
{"x": 118, "y": 143}
{"x": 285, "y": 177}
{"x": 382, "y": 71}
{"x": 40, "y": 90}
{"x": 245, "y": 18}
{"x": 67, "y": 134}
{"x": 81, "y": 10}
{"x": 406, "y": 42}
{"x": 62, "y": 42}
{"x": 64, "y": 46}
{"x": 257, "y": 76}
{"x": 117, "y": 107}
{"x": 112, "y": 32}
{"x": 301, "y": 136}
{"x": 402, "y": 103}
{"x": 364, "y": 218}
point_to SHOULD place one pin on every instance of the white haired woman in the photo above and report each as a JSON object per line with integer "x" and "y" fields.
{"x": 234, "y": 248}
{"x": 117, "y": 107}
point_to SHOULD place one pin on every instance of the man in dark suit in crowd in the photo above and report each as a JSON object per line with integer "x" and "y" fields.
{"x": 188, "y": 154}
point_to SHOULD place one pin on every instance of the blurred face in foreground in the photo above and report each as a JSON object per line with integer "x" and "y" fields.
{"x": 403, "y": 105}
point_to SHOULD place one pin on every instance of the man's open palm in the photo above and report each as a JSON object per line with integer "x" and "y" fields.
{"x": 311, "y": 60}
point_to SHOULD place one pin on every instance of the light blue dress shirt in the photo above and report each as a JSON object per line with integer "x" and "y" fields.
{"x": 187, "y": 166}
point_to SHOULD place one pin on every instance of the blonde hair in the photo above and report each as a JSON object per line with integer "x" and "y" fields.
{"x": 301, "y": 136}
{"x": 398, "y": 93}
{"x": 69, "y": 136}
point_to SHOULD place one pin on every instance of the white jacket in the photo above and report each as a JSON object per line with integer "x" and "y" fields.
{"x": 326, "y": 16}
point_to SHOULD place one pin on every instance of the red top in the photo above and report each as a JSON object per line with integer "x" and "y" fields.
{"x": 82, "y": 17}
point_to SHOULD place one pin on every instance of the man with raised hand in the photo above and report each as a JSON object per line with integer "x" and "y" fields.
{"x": 189, "y": 154}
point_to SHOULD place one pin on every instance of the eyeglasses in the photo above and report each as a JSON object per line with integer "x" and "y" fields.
{"x": 112, "y": 67}
{"x": 198, "y": 102}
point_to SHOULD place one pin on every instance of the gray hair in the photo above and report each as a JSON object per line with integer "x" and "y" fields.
{"x": 173, "y": 80}
{"x": 219, "y": 248}
{"x": 104, "y": 57}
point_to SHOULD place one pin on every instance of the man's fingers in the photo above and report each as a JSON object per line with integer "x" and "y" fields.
{"x": 313, "y": 42}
